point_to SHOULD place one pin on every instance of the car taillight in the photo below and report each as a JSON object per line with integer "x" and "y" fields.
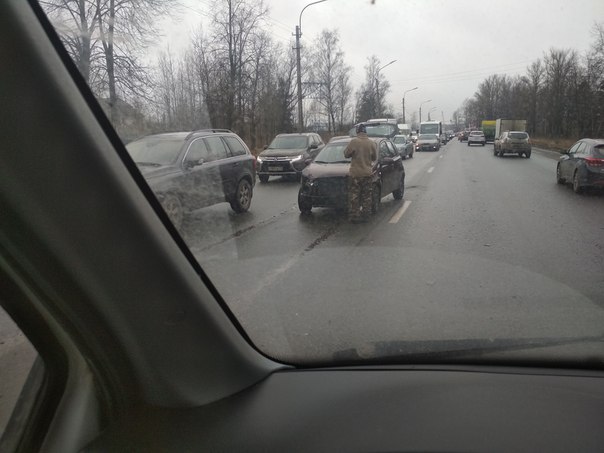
{"x": 594, "y": 162}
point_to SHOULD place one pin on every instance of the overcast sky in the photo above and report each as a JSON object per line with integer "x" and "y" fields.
{"x": 445, "y": 48}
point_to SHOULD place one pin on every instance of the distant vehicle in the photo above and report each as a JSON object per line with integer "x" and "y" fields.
{"x": 404, "y": 146}
{"x": 582, "y": 165}
{"x": 516, "y": 142}
{"x": 377, "y": 128}
{"x": 288, "y": 155}
{"x": 463, "y": 136}
{"x": 404, "y": 129}
{"x": 414, "y": 136}
{"x": 325, "y": 180}
{"x": 433, "y": 127}
{"x": 427, "y": 142}
{"x": 502, "y": 125}
{"x": 488, "y": 128}
{"x": 476, "y": 138}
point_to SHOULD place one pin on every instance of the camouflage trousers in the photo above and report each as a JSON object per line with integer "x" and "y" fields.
{"x": 359, "y": 197}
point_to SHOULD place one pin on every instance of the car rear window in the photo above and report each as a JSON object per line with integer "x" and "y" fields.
{"x": 518, "y": 135}
{"x": 599, "y": 151}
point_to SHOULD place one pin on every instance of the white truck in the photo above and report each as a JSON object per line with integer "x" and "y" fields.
{"x": 404, "y": 129}
{"x": 502, "y": 125}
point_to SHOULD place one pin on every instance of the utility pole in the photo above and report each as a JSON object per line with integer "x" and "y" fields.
{"x": 420, "y": 110}
{"x": 299, "y": 76}
{"x": 298, "y": 66}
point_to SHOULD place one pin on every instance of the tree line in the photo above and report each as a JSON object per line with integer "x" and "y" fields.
{"x": 232, "y": 75}
{"x": 560, "y": 95}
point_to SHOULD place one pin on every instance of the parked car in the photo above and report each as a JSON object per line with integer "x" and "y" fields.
{"x": 325, "y": 180}
{"x": 288, "y": 155}
{"x": 192, "y": 170}
{"x": 427, "y": 142}
{"x": 516, "y": 142}
{"x": 477, "y": 137}
{"x": 582, "y": 165}
{"x": 404, "y": 146}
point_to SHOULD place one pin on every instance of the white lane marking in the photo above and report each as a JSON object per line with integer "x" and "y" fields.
{"x": 398, "y": 214}
{"x": 430, "y": 170}
{"x": 441, "y": 156}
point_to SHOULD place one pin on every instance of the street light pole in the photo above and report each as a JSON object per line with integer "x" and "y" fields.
{"x": 420, "y": 110}
{"x": 432, "y": 109}
{"x": 298, "y": 66}
{"x": 377, "y": 84}
{"x": 412, "y": 89}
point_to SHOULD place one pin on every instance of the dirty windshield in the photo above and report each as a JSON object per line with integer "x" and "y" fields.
{"x": 454, "y": 250}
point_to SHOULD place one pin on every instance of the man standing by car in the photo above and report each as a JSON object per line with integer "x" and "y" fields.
{"x": 363, "y": 153}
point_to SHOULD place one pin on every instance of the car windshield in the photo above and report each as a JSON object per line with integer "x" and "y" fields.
{"x": 469, "y": 250}
{"x": 295, "y": 142}
{"x": 333, "y": 153}
{"x": 381, "y": 130}
{"x": 155, "y": 150}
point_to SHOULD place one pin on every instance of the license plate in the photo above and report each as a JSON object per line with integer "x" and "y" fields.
{"x": 275, "y": 168}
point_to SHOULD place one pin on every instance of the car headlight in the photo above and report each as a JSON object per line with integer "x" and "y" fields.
{"x": 259, "y": 160}
{"x": 298, "y": 158}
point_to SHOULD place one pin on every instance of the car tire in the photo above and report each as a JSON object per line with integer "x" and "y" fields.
{"x": 495, "y": 152}
{"x": 483, "y": 144}
{"x": 304, "y": 204}
{"x": 559, "y": 178}
{"x": 173, "y": 207}
{"x": 243, "y": 196}
{"x": 376, "y": 198}
{"x": 398, "y": 193}
{"x": 263, "y": 178}
{"x": 527, "y": 155}
{"x": 577, "y": 187}
{"x": 468, "y": 143}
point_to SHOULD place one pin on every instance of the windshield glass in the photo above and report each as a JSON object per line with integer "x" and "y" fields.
{"x": 333, "y": 153}
{"x": 519, "y": 135}
{"x": 381, "y": 130}
{"x": 466, "y": 244}
{"x": 155, "y": 150}
{"x": 296, "y": 142}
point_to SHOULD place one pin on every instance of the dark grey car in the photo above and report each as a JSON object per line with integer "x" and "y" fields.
{"x": 582, "y": 165}
{"x": 192, "y": 170}
{"x": 288, "y": 155}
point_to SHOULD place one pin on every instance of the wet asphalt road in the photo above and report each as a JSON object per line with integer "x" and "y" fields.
{"x": 481, "y": 247}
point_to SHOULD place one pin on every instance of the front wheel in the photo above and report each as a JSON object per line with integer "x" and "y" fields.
{"x": 173, "y": 207}
{"x": 559, "y": 178}
{"x": 398, "y": 193}
{"x": 243, "y": 197}
{"x": 527, "y": 155}
{"x": 577, "y": 188}
{"x": 304, "y": 204}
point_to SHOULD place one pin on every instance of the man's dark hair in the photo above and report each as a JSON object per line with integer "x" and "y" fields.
{"x": 361, "y": 128}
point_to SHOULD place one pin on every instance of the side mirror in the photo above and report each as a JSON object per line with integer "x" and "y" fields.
{"x": 566, "y": 151}
{"x": 314, "y": 146}
{"x": 193, "y": 163}
{"x": 265, "y": 147}
{"x": 307, "y": 161}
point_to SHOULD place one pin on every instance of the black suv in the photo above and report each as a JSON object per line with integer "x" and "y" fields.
{"x": 192, "y": 170}
{"x": 288, "y": 154}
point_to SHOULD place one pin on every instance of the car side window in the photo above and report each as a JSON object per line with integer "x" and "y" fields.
{"x": 574, "y": 148}
{"x": 216, "y": 148}
{"x": 581, "y": 149}
{"x": 384, "y": 152}
{"x": 197, "y": 150}
{"x": 235, "y": 146}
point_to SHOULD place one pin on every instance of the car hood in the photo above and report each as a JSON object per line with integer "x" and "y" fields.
{"x": 271, "y": 152}
{"x": 152, "y": 171}
{"x": 315, "y": 170}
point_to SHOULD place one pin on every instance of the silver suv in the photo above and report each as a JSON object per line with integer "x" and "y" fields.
{"x": 477, "y": 138}
{"x": 288, "y": 155}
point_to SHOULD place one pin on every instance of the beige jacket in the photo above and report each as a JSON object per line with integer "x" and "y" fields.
{"x": 363, "y": 152}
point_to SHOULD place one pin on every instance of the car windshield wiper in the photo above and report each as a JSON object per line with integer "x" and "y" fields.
{"x": 148, "y": 164}
{"x": 340, "y": 162}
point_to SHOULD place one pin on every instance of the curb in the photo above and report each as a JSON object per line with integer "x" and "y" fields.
{"x": 554, "y": 155}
